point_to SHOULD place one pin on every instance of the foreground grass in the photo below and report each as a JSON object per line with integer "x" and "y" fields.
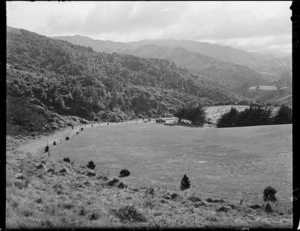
{"x": 46, "y": 193}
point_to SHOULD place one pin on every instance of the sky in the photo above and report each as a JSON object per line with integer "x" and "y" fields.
{"x": 256, "y": 26}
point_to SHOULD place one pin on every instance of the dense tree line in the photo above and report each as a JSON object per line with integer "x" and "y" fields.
{"x": 255, "y": 115}
{"x": 75, "y": 80}
{"x": 195, "y": 114}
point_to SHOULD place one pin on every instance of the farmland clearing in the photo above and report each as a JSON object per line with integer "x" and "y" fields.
{"x": 227, "y": 163}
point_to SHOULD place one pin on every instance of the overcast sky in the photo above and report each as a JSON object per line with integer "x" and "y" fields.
{"x": 250, "y": 26}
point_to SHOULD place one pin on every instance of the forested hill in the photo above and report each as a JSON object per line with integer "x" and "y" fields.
{"x": 75, "y": 80}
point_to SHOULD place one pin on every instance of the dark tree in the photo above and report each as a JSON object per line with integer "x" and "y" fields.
{"x": 197, "y": 115}
{"x": 228, "y": 119}
{"x": 269, "y": 194}
{"x": 185, "y": 183}
{"x": 91, "y": 165}
{"x": 181, "y": 114}
{"x": 283, "y": 115}
{"x": 67, "y": 159}
{"x": 124, "y": 173}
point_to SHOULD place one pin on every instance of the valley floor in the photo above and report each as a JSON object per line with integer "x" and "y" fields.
{"x": 45, "y": 192}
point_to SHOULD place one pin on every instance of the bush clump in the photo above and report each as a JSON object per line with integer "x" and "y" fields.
{"x": 67, "y": 159}
{"x": 112, "y": 182}
{"x": 283, "y": 115}
{"x": 185, "y": 183}
{"x": 96, "y": 119}
{"x": 193, "y": 199}
{"x": 91, "y": 165}
{"x": 255, "y": 115}
{"x": 124, "y": 173}
{"x": 268, "y": 208}
{"x": 228, "y": 119}
{"x": 269, "y": 194}
{"x": 129, "y": 213}
{"x": 197, "y": 115}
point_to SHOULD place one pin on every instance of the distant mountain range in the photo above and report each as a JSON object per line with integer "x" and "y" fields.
{"x": 269, "y": 67}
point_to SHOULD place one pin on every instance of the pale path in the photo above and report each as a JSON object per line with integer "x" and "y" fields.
{"x": 37, "y": 146}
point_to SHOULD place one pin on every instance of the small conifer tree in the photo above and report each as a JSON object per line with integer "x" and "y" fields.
{"x": 269, "y": 194}
{"x": 185, "y": 183}
{"x": 91, "y": 165}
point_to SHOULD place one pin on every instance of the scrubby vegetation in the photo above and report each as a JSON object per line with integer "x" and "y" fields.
{"x": 46, "y": 193}
{"x": 124, "y": 173}
{"x": 91, "y": 165}
{"x": 283, "y": 115}
{"x": 255, "y": 115}
{"x": 185, "y": 183}
{"x": 269, "y": 194}
{"x": 196, "y": 114}
{"x": 129, "y": 213}
{"x": 59, "y": 77}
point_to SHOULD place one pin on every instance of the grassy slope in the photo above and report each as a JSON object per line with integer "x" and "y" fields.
{"x": 73, "y": 199}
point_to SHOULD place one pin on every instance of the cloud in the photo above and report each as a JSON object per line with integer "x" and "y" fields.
{"x": 131, "y": 21}
{"x": 258, "y": 43}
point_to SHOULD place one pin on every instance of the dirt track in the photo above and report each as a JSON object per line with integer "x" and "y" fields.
{"x": 38, "y": 145}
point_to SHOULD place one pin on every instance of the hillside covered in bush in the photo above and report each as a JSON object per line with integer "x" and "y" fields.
{"x": 75, "y": 80}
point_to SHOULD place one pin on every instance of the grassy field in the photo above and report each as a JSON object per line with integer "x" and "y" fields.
{"x": 45, "y": 192}
{"x": 227, "y": 163}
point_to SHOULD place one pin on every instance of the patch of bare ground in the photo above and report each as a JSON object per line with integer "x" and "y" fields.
{"x": 46, "y": 193}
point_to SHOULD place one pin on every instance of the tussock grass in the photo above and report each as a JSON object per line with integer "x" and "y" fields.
{"x": 74, "y": 200}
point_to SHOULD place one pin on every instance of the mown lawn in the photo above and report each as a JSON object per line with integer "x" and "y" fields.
{"x": 227, "y": 163}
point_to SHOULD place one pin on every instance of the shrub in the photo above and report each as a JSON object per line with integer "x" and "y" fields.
{"x": 228, "y": 119}
{"x": 47, "y": 148}
{"x": 124, "y": 173}
{"x": 96, "y": 119}
{"x": 66, "y": 159}
{"x": 193, "y": 199}
{"x": 54, "y": 143}
{"x": 197, "y": 115}
{"x": 255, "y": 115}
{"x": 122, "y": 185}
{"x": 223, "y": 209}
{"x": 268, "y": 208}
{"x": 269, "y": 194}
{"x": 283, "y": 115}
{"x": 185, "y": 183}
{"x": 67, "y": 138}
{"x": 181, "y": 114}
{"x": 91, "y": 165}
{"x": 112, "y": 182}
{"x": 256, "y": 206}
{"x": 129, "y": 213}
